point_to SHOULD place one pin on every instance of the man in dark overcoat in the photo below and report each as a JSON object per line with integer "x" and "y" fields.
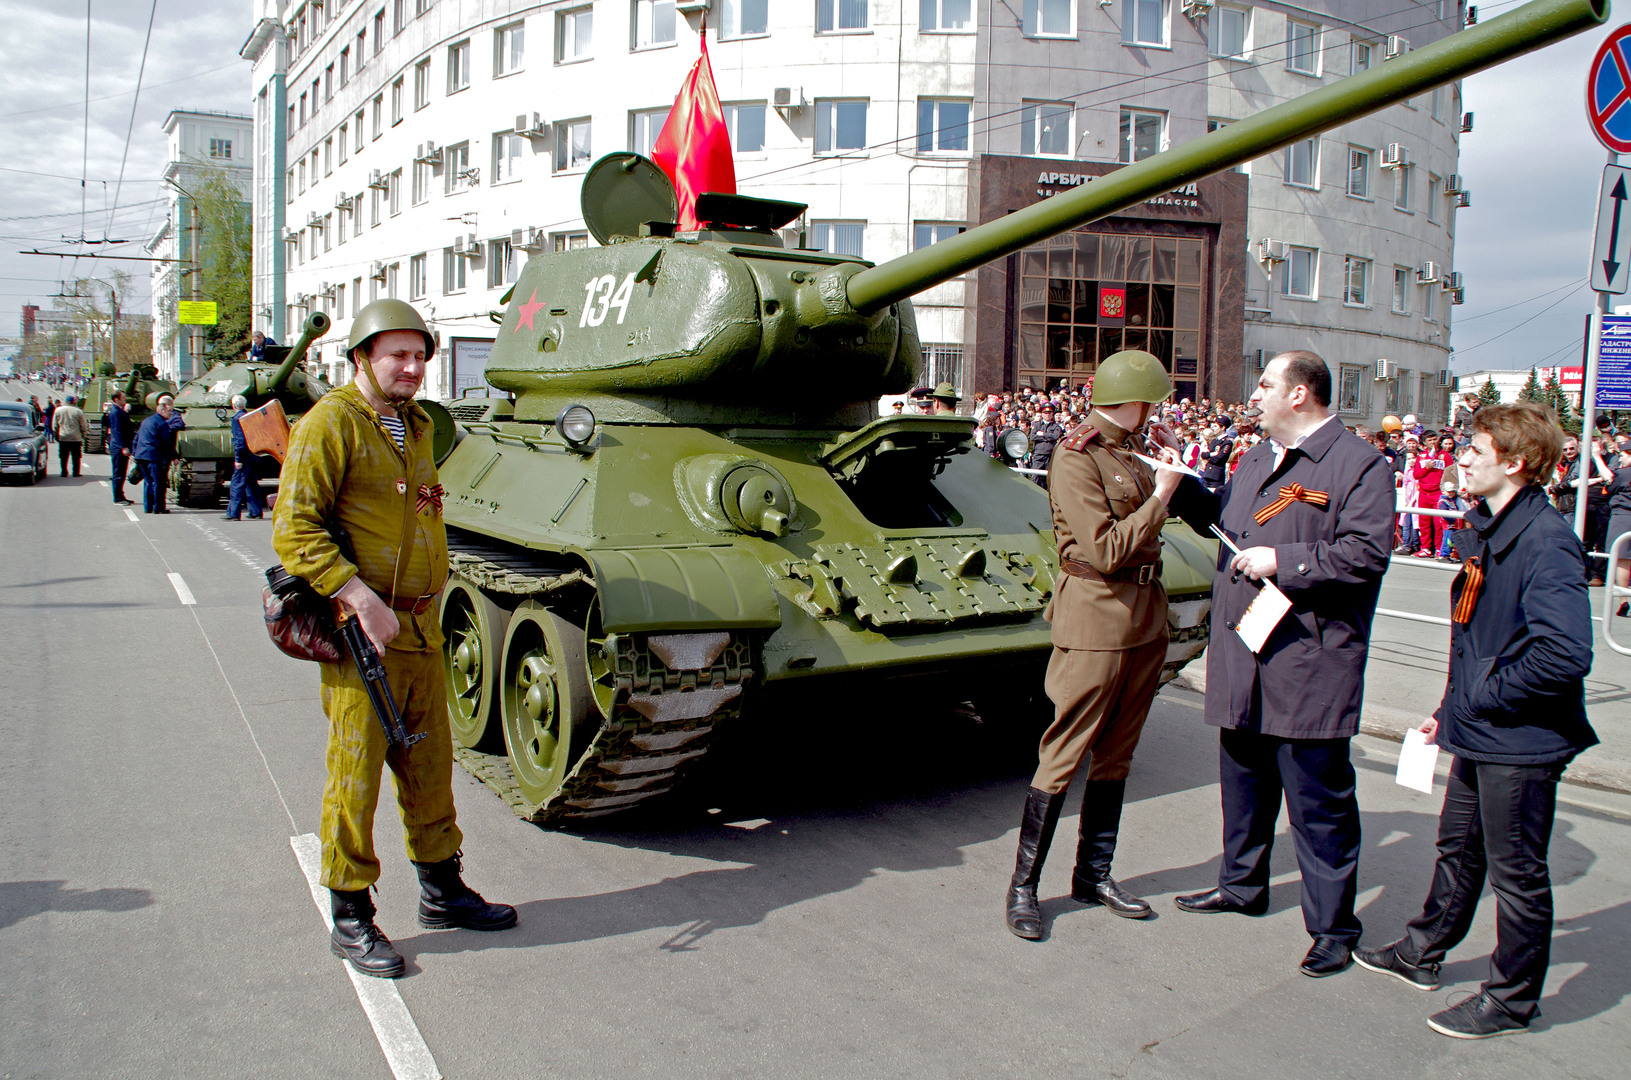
{"x": 120, "y": 434}
{"x": 1311, "y": 508}
{"x": 1045, "y": 439}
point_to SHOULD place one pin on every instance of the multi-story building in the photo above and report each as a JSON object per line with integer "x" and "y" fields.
{"x": 198, "y": 140}
{"x": 425, "y": 149}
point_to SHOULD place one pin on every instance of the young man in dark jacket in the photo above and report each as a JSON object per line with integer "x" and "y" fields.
{"x": 1513, "y": 715}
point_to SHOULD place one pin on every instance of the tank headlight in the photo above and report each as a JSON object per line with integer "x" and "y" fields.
{"x": 576, "y": 425}
{"x": 1015, "y": 443}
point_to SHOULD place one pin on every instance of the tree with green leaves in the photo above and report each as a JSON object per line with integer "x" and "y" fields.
{"x": 216, "y": 216}
{"x": 1554, "y": 395}
{"x": 92, "y": 302}
{"x": 1487, "y": 394}
{"x": 1531, "y": 388}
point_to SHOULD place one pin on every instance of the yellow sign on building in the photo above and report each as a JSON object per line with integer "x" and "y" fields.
{"x": 196, "y": 312}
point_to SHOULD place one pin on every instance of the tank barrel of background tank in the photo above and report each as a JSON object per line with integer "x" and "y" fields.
{"x": 1484, "y": 45}
{"x": 317, "y": 325}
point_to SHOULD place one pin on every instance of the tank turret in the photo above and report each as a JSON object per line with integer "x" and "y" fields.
{"x": 691, "y": 511}
{"x": 141, "y": 388}
{"x": 204, "y": 465}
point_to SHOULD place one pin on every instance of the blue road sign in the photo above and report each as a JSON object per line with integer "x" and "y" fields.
{"x": 1608, "y": 92}
{"x": 1614, "y": 364}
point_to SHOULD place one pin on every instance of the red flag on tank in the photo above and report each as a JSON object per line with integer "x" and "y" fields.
{"x": 694, "y": 148}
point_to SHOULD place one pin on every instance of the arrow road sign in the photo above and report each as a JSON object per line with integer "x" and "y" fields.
{"x": 1611, "y": 254}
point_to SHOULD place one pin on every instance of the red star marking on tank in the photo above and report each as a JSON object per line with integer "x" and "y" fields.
{"x": 532, "y": 307}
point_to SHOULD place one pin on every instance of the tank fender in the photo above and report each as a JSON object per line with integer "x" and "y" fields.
{"x": 682, "y": 588}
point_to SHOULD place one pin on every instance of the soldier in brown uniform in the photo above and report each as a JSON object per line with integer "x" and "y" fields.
{"x": 1109, "y": 619}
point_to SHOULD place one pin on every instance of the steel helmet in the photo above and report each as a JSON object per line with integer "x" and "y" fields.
{"x": 1391, "y": 424}
{"x": 1130, "y": 375}
{"x": 383, "y": 315}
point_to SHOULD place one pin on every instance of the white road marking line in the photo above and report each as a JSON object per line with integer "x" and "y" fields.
{"x": 217, "y": 537}
{"x": 131, "y": 514}
{"x": 185, "y": 594}
{"x": 399, "y": 1037}
{"x": 104, "y": 483}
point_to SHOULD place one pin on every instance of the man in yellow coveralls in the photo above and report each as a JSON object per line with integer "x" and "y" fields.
{"x": 359, "y": 516}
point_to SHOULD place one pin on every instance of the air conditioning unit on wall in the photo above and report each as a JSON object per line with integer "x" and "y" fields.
{"x": 1270, "y": 250}
{"x": 1444, "y": 380}
{"x": 1395, "y": 156}
{"x": 1386, "y": 369}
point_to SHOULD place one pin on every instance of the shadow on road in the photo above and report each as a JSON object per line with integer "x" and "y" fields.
{"x": 22, "y": 899}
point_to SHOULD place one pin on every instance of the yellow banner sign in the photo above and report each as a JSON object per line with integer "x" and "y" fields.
{"x": 196, "y": 312}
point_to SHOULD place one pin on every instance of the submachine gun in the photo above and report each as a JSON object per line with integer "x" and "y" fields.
{"x": 336, "y": 624}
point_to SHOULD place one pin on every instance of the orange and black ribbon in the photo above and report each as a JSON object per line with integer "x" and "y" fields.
{"x": 1471, "y": 580}
{"x": 430, "y": 496}
{"x": 1289, "y": 494}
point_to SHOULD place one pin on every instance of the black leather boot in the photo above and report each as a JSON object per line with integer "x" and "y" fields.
{"x": 1035, "y": 834}
{"x": 446, "y": 901}
{"x": 356, "y": 939}
{"x": 1091, "y": 882}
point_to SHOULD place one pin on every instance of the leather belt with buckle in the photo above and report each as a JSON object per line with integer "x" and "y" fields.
{"x": 416, "y": 604}
{"x": 1142, "y": 574}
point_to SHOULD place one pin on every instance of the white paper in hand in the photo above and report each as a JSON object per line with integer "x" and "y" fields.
{"x": 1417, "y": 760}
{"x": 1173, "y": 466}
{"x": 1262, "y": 615}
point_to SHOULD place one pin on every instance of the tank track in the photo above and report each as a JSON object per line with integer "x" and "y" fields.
{"x": 663, "y": 718}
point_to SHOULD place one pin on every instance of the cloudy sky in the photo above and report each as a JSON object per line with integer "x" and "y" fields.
{"x": 1524, "y": 244}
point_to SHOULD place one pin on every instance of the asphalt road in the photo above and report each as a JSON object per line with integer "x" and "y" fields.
{"x": 825, "y": 902}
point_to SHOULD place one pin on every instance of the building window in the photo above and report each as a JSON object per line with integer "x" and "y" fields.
{"x": 1049, "y": 18}
{"x": 572, "y": 144}
{"x": 1351, "y": 390}
{"x": 654, "y": 23}
{"x": 743, "y": 18}
{"x": 644, "y": 127}
{"x": 501, "y": 269}
{"x": 339, "y": 233}
{"x": 302, "y": 110}
{"x": 399, "y": 19}
{"x": 379, "y": 114}
{"x": 509, "y": 48}
{"x": 746, "y": 123}
{"x": 356, "y": 215}
{"x": 840, "y": 126}
{"x": 1401, "y": 289}
{"x": 1229, "y": 30}
{"x": 221, "y": 148}
{"x": 302, "y": 174}
{"x": 1301, "y": 264}
{"x": 1302, "y": 47}
{"x": 453, "y": 271}
{"x": 1045, "y": 128}
{"x": 395, "y": 192}
{"x": 456, "y": 166}
{"x": 574, "y": 35}
{"x": 345, "y": 65}
{"x": 1360, "y": 56}
{"x": 840, "y": 15}
{"x": 1358, "y": 172}
{"x": 328, "y": 83}
{"x": 946, "y": 16}
{"x": 292, "y": 122}
{"x": 458, "y": 66}
{"x": 507, "y": 149}
{"x": 1356, "y": 281}
{"x": 422, "y": 6}
{"x": 1143, "y": 22}
{"x": 1434, "y": 187}
{"x": 838, "y": 237}
{"x": 421, "y": 181}
{"x": 344, "y": 142}
{"x": 396, "y": 102}
{"x": 379, "y": 30}
{"x": 1303, "y": 162}
{"x": 1433, "y": 106}
{"x": 314, "y": 166}
{"x": 942, "y": 126}
{"x": 391, "y": 273}
{"x": 421, "y": 84}
{"x": 288, "y": 186}
{"x": 416, "y": 277}
{"x": 568, "y": 241}
{"x": 1143, "y": 134}
{"x": 1401, "y": 188}
{"x": 925, "y": 233}
{"x": 339, "y": 291}
{"x": 328, "y": 156}
{"x": 1086, "y": 295}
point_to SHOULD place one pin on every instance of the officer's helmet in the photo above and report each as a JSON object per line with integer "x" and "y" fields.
{"x": 1130, "y": 375}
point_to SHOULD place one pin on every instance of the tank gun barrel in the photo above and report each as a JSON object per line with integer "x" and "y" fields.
{"x": 1524, "y": 30}
{"x": 131, "y": 383}
{"x": 317, "y": 325}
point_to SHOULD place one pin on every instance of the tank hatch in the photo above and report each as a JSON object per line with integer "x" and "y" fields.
{"x": 627, "y": 195}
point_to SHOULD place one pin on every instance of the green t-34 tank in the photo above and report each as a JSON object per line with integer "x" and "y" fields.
{"x": 139, "y": 383}
{"x": 203, "y": 468}
{"x": 691, "y": 509}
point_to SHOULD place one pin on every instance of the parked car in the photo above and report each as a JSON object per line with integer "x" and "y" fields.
{"x": 22, "y": 444}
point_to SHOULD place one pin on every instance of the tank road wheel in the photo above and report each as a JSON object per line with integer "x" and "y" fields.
{"x": 544, "y": 699}
{"x": 602, "y": 683}
{"x": 474, "y": 628}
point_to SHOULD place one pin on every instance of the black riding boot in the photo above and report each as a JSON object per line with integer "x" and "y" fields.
{"x": 1035, "y": 834}
{"x": 357, "y": 940}
{"x": 1091, "y": 882}
{"x": 445, "y": 900}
